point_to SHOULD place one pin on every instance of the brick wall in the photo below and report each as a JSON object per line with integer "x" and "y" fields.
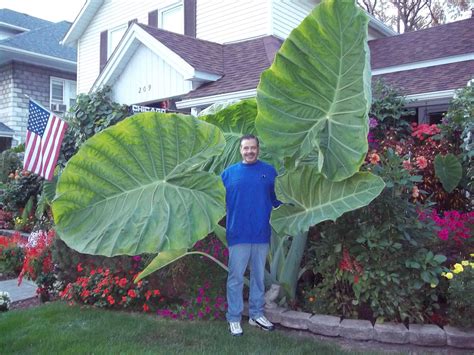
{"x": 16, "y": 81}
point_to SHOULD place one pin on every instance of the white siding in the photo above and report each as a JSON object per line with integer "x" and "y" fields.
{"x": 288, "y": 14}
{"x": 112, "y": 14}
{"x": 148, "y": 78}
{"x": 224, "y": 21}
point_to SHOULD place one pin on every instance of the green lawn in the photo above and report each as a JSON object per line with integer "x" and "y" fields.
{"x": 59, "y": 328}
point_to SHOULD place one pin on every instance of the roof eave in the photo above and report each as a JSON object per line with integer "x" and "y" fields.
{"x": 381, "y": 27}
{"x": 208, "y": 100}
{"x": 15, "y": 54}
{"x": 81, "y": 22}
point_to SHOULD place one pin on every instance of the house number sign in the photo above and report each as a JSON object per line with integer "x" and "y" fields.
{"x": 143, "y": 89}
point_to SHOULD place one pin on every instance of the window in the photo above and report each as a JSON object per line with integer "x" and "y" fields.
{"x": 115, "y": 35}
{"x": 171, "y": 18}
{"x": 63, "y": 94}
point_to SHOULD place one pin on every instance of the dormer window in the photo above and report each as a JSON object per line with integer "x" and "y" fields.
{"x": 171, "y": 18}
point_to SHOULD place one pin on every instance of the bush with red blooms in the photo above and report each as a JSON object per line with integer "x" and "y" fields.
{"x": 11, "y": 255}
{"x": 103, "y": 288}
{"x": 38, "y": 263}
{"x": 6, "y": 219}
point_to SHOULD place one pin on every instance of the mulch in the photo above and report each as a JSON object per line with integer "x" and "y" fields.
{"x": 24, "y": 304}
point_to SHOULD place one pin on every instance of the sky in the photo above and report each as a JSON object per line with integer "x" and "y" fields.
{"x": 51, "y": 10}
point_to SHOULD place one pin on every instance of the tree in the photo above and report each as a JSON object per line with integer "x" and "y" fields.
{"x": 412, "y": 15}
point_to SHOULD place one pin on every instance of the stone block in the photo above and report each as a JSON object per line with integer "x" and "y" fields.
{"x": 356, "y": 329}
{"x": 295, "y": 320}
{"x": 274, "y": 314}
{"x": 395, "y": 333}
{"x": 459, "y": 338}
{"x": 426, "y": 334}
{"x": 324, "y": 325}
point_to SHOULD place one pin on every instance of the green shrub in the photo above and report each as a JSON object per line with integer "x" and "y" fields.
{"x": 460, "y": 294}
{"x": 376, "y": 262}
{"x": 9, "y": 162}
{"x": 11, "y": 256}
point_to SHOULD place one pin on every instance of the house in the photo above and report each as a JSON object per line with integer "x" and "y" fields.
{"x": 183, "y": 54}
{"x": 32, "y": 64}
{"x": 187, "y": 54}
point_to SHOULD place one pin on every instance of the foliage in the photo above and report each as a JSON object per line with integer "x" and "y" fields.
{"x": 460, "y": 290}
{"x": 38, "y": 264}
{"x": 104, "y": 288}
{"x": 412, "y": 15}
{"x": 9, "y": 162}
{"x": 6, "y": 219}
{"x": 376, "y": 262}
{"x": 314, "y": 99}
{"x": 386, "y": 112}
{"x": 4, "y": 301}
{"x": 140, "y": 180}
{"x": 458, "y": 127}
{"x": 20, "y": 188}
{"x": 92, "y": 113}
{"x": 11, "y": 255}
{"x": 448, "y": 170}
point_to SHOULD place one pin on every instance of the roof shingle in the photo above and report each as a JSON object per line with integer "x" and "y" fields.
{"x": 21, "y": 20}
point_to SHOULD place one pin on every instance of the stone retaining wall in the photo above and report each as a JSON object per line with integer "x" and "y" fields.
{"x": 356, "y": 329}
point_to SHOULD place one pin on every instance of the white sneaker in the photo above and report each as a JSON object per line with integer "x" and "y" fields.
{"x": 262, "y": 322}
{"x": 235, "y": 329}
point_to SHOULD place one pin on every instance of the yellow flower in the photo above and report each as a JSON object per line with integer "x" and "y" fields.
{"x": 433, "y": 285}
{"x": 449, "y": 275}
{"x": 472, "y": 255}
{"x": 465, "y": 263}
{"x": 458, "y": 268}
{"x": 472, "y": 265}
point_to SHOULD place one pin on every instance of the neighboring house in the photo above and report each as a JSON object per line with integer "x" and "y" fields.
{"x": 32, "y": 64}
{"x": 183, "y": 55}
{"x": 187, "y": 54}
{"x": 428, "y": 65}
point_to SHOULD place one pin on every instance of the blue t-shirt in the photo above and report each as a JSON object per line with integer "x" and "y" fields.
{"x": 250, "y": 196}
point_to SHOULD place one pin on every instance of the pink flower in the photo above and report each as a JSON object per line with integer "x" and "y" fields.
{"x": 407, "y": 165}
{"x": 421, "y": 162}
{"x": 415, "y": 192}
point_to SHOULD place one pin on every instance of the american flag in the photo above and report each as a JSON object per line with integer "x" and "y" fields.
{"x": 43, "y": 141}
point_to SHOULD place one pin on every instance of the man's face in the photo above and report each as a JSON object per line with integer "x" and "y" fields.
{"x": 249, "y": 150}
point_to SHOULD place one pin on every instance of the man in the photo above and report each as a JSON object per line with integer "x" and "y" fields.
{"x": 250, "y": 196}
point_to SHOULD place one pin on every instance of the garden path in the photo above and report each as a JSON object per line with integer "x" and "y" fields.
{"x": 26, "y": 290}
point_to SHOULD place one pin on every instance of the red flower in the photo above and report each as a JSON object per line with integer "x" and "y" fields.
{"x": 110, "y": 299}
{"x": 421, "y": 162}
{"x": 131, "y": 293}
{"x": 123, "y": 282}
{"x": 145, "y": 307}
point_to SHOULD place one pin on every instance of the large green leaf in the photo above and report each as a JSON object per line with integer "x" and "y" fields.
{"x": 135, "y": 188}
{"x": 448, "y": 169}
{"x": 310, "y": 198}
{"x": 315, "y": 98}
{"x": 234, "y": 121}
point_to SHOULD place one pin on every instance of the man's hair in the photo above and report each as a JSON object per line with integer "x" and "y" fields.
{"x": 249, "y": 136}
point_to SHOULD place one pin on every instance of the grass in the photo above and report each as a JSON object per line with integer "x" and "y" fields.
{"x": 59, "y": 328}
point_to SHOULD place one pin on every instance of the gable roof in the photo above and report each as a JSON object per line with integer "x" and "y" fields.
{"x": 6, "y": 131}
{"x": 243, "y": 63}
{"x": 203, "y": 55}
{"x": 43, "y": 40}
{"x": 13, "y": 19}
{"x": 452, "y": 39}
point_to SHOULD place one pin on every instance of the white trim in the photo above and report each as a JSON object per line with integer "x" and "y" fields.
{"x": 82, "y": 21}
{"x": 434, "y": 95}
{"x": 424, "y": 64}
{"x": 13, "y": 27}
{"x": 380, "y": 26}
{"x": 33, "y": 54}
{"x": 208, "y": 100}
{"x": 136, "y": 36}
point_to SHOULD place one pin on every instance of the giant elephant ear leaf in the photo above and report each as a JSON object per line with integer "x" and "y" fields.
{"x": 134, "y": 188}
{"x": 315, "y": 97}
{"x": 310, "y": 198}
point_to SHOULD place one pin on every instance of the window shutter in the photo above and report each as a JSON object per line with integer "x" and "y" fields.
{"x": 190, "y": 18}
{"x": 153, "y": 18}
{"x": 103, "y": 49}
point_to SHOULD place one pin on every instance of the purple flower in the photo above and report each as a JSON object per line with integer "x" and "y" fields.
{"x": 373, "y": 122}
{"x": 137, "y": 258}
